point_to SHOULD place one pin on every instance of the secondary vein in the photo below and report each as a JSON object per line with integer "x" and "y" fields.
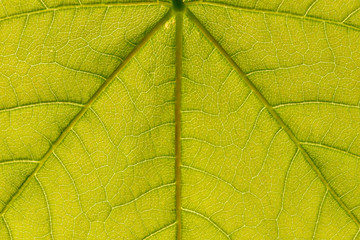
{"x": 84, "y": 110}
{"x": 274, "y": 114}
{"x": 52, "y": 9}
{"x": 276, "y": 13}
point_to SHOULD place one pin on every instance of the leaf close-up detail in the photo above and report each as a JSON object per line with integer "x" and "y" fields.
{"x": 171, "y": 119}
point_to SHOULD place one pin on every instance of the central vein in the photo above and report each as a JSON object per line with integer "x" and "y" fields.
{"x": 178, "y": 71}
{"x": 178, "y": 5}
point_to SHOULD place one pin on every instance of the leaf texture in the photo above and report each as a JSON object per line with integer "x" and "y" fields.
{"x": 210, "y": 119}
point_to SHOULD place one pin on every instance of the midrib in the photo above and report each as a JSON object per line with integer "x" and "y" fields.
{"x": 178, "y": 76}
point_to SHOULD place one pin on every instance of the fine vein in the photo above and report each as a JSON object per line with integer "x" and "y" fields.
{"x": 178, "y": 71}
{"x": 84, "y": 110}
{"x": 274, "y": 114}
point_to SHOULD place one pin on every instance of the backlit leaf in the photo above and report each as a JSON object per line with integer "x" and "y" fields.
{"x": 209, "y": 119}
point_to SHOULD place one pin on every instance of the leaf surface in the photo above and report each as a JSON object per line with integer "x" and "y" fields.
{"x": 209, "y": 119}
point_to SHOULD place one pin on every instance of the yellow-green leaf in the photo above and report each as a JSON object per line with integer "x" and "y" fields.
{"x": 203, "y": 119}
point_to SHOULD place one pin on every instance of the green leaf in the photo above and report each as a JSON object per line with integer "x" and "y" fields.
{"x": 208, "y": 119}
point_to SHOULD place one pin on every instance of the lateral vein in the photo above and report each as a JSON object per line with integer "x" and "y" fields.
{"x": 84, "y": 110}
{"x": 52, "y": 9}
{"x": 274, "y": 114}
{"x": 285, "y": 14}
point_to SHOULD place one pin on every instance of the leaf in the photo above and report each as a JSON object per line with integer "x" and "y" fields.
{"x": 209, "y": 119}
